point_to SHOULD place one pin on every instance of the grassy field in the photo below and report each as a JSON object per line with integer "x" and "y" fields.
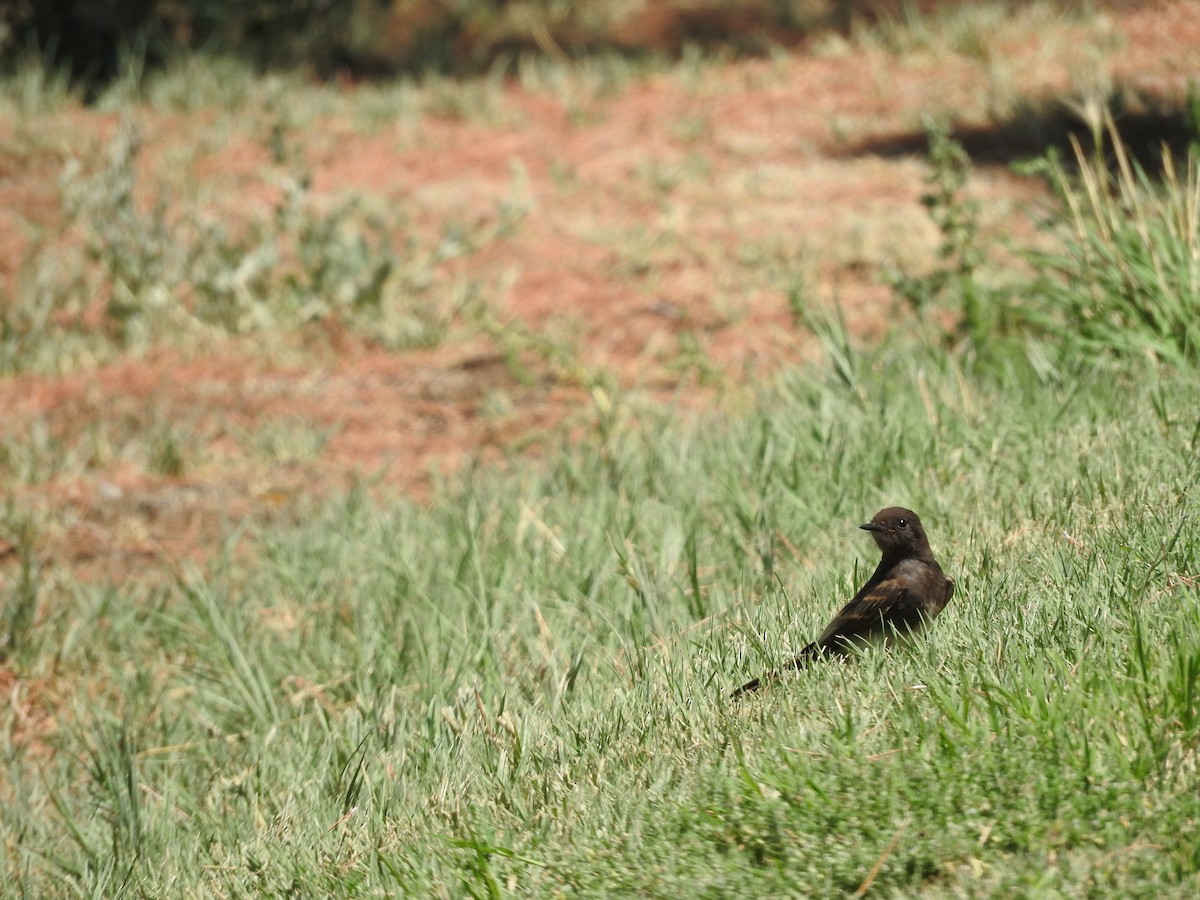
{"x": 519, "y": 686}
{"x": 523, "y": 688}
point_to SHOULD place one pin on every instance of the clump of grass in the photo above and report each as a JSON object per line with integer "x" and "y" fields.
{"x": 286, "y": 441}
{"x": 36, "y": 455}
{"x": 35, "y": 87}
{"x": 197, "y": 81}
{"x": 168, "y": 451}
{"x": 1125, "y": 276}
{"x": 470, "y": 100}
{"x": 581, "y": 85}
{"x": 972, "y": 30}
{"x": 18, "y": 613}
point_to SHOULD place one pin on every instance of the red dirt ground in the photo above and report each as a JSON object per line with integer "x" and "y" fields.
{"x": 658, "y": 223}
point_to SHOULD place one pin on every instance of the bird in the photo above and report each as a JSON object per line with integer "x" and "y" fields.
{"x": 907, "y": 591}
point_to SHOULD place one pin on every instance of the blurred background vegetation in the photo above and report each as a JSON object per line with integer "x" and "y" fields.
{"x": 92, "y": 40}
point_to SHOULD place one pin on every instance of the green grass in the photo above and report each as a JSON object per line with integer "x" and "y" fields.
{"x": 1123, "y": 277}
{"x": 971, "y": 30}
{"x": 522, "y": 689}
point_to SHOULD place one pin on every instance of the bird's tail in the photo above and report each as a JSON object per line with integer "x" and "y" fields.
{"x": 801, "y": 660}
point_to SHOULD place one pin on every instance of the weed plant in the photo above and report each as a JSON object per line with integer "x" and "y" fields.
{"x": 175, "y": 273}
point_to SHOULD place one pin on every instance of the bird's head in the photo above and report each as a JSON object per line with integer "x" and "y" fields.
{"x": 898, "y": 532}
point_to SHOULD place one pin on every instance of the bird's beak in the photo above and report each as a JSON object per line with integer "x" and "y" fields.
{"x": 871, "y": 526}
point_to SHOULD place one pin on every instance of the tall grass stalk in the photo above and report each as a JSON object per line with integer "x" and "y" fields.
{"x": 1125, "y": 277}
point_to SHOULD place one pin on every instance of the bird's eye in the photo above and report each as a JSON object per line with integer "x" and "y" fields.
{"x": 903, "y": 523}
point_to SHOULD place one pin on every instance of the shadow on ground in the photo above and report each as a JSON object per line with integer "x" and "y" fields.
{"x": 1148, "y": 125}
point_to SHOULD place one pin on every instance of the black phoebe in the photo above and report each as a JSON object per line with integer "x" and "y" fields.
{"x": 907, "y": 590}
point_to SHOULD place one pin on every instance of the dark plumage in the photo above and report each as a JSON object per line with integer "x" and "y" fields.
{"x": 906, "y": 592}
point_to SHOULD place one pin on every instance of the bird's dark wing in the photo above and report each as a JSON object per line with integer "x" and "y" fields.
{"x": 877, "y": 609}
